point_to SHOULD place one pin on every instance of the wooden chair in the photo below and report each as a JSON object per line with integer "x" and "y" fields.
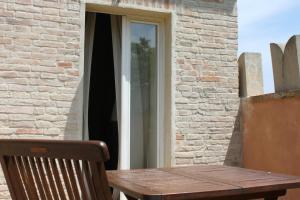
{"x": 44, "y": 169}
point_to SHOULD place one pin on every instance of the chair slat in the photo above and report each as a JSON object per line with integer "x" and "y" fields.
{"x": 72, "y": 178}
{"x": 14, "y": 178}
{"x": 29, "y": 175}
{"x": 25, "y": 182}
{"x": 58, "y": 181}
{"x": 43, "y": 178}
{"x": 55, "y": 170}
{"x": 98, "y": 179}
{"x": 81, "y": 180}
{"x": 38, "y": 181}
{"x": 66, "y": 179}
{"x": 51, "y": 179}
{"x": 88, "y": 178}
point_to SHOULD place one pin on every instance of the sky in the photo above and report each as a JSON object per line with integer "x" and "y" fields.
{"x": 262, "y": 22}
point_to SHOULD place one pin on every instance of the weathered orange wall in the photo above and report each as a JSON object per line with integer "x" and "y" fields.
{"x": 271, "y": 134}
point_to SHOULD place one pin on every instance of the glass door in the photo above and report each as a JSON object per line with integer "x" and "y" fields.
{"x": 141, "y": 94}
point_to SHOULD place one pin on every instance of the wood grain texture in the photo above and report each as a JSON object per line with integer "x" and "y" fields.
{"x": 201, "y": 182}
{"x": 52, "y": 170}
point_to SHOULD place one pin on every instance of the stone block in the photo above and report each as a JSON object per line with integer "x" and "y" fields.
{"x": 251, "y": 77}
{"x": 277, "y": 63}
{"x": 291, "y": 62}
{"x": 286, "y": 64}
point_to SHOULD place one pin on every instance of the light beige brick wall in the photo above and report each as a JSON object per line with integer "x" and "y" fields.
{"x": 39, "y": 70}
{"x": 40, "y": 75}
{"x": 207, "y": 103}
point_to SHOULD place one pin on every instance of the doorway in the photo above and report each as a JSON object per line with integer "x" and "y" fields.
{"x": 102, "y": 123}
{"x": 125, "y": 88}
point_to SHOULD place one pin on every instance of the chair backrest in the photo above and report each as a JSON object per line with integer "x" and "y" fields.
{"x": 52, "y": 169}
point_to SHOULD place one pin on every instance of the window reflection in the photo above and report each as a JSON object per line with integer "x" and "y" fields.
{"x": 143, "y": 95}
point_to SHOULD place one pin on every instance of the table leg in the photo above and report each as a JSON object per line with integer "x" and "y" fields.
{"x": 275, "y": 195}
{"x": 130, "y": 198}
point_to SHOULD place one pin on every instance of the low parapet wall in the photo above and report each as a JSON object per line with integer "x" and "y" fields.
{"x": 271, "y": 134}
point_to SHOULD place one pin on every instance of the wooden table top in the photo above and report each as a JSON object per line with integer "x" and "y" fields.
{"x": 198, "y": 182}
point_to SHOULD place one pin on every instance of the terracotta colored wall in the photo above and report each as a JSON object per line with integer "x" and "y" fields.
{"x": 271, "y": 126}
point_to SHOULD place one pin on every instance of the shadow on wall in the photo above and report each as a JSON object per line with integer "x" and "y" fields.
{"x": 73, "y": 127}
{"x": 234, "y": 152}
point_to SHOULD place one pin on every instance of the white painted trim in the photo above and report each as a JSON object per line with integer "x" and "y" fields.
{"x": 161, "y": 95}
{"x": 125, "y": 98}
{"x": 172, "y": 68}
{"x": 126, "y": 9}
{"x": 81, "y": 134}
{"x": 160, "y": 79}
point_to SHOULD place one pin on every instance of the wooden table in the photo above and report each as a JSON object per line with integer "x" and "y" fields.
{"x": 201, "y": 182}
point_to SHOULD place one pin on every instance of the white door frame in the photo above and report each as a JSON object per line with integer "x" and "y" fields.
{"x": 125, "y": 89}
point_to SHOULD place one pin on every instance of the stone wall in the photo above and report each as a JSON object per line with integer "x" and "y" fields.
{"x": 40, "y": 76}
{"x": 207, "y": 103}
{"x": 39, "y": 70}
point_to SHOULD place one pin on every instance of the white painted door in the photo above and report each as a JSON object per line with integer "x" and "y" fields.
{"x": 142, "y": 94}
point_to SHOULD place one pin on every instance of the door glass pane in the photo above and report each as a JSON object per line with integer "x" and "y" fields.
{"x": 143, "y": 100}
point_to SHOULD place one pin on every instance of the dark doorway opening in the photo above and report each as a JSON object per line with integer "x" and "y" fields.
{"x": 102, "y": 94}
